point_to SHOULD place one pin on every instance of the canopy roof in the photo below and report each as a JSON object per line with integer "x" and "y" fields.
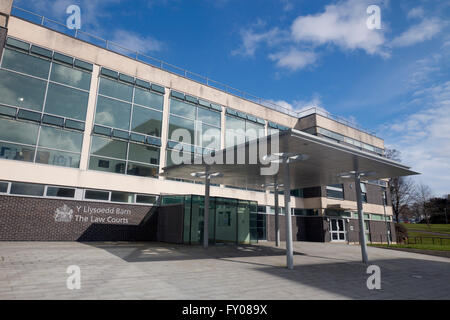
{"x": 325, "y": 161}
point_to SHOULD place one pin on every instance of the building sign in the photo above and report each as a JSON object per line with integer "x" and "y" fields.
{"x": 89, "y": 214}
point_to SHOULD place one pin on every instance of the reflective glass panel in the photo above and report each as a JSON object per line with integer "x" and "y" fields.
{"x": 187, "y": 131}
{"x": 122, "y": 197}
{"x": 107, "y": 165}
{"x": 108, "y": 147}
{"x": 115, "y": 89}
{"x": 208, "y": 137}
{"x": 18, "y": 131}
{"x": 113, "y": 113}
{"x": 143, "y": 153}
{"x": 70, "y": 76}
{"x": 60, "y": 192}
{"x": 58, "y": 158}
{"x": 27, "y": 189}
{"x": 146, "y": 121}
{"x": 209, "y": 117}
{"x": 21, "y": 91}
{"x": 25, "y": 63}
{"x": 148, "y": 99}
{"x": 183, "y": 109}
{"x": 136, "y": 169}
{"x": 16, "y": 152}
{"x": 56, "y": 138}
{"x": 66, "y": 102}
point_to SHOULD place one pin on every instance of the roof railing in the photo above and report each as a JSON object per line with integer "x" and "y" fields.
{"x": 161, "y": 64}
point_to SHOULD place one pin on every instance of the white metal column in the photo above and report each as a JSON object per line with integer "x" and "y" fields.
{"x": 206, "y": 211}
{"x": 277, "y": 215}
{"x": 287, "y": 214}
{"x": 362, "y": 237}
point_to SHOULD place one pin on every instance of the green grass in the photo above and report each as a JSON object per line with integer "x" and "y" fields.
{"x": 415, "y": 246}
{"x": 414, "y": 228}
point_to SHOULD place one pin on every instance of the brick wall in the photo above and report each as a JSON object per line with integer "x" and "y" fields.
{"x": 35, "y": 219}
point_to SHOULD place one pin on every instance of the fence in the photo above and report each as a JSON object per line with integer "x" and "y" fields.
{"x": 427, "y": 240}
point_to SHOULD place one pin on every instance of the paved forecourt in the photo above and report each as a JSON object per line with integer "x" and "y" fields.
{"x": 37, "y": 270}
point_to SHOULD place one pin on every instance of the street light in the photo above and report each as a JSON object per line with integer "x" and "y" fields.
{"x": 207, "y": 176}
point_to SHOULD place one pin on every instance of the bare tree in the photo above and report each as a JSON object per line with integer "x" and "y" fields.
{"x": 422, "y": 200}
{"x": 402, "y": 189}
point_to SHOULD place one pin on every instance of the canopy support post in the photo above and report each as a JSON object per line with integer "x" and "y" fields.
{"x": 362, "y": 237}
{"x": 277, "y": 216}
{"x": 206, "y": 211}
{"x": 287, "y": 214}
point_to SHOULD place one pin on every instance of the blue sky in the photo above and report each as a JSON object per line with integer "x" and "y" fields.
{"x": 393, "y": 81}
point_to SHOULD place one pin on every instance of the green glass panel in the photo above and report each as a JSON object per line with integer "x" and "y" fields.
{"x": 143, "y": 153}
{"x": 62, "y": 58}
{"x": 106, "y": 165}
{"x": 146, "y": 121}
{"x": 148, "y": 99}
{"x": 75, "y": 125}
{"x": 186, "y": 134}
{"x": 83, "y": 65}
{"x": 182, "y": 109}
{"x": 115, "y": 89}
{"x": 70, "y": 76}
{"x": 66, "y": 102}
{"x": 209, "y": 117}
{"x": 61, "y": 139}
{"x": 16, "y": 152}
{"x": 21, "y": 91}
{"x": 113, "y": 113}
{"x": 58, "y": 158}
{"x": 25, "y": 63}
{"x": 18, "y": 44}
{"x": 8, "y": 111}
{"x": 109, "y": 147}
{"x": 18, "y": 131}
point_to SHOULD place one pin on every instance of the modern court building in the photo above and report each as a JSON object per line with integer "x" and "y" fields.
{"x": 87, "y": 128}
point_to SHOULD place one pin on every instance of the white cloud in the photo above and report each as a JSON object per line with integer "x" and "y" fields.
{"x": 424, "y": 138}
{"x": 423, "y": 31}
{"x": 251, "y": 40}
{"x": 135, "y": 42}
{"x": 342, "y": 24}
{"x": 294, "y": 59}
{"x": 417, "y": 12}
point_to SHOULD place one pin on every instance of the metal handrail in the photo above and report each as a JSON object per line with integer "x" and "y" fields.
{"x": 161, "y": 64}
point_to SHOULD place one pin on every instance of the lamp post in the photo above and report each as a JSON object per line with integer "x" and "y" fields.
{"x": 356, "y": 176}
{"x": 286, "y": 159}
{"x": 207, "y": 176}
{"x": 276, "y": 189}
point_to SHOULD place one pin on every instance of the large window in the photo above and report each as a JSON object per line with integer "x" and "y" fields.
{"x": 43, "y": 103}
{"x": 118, "y": 156}
{"x": 194, "y": 122}
{"x": 241, "y": 127}
{"x": 129, "y": 116}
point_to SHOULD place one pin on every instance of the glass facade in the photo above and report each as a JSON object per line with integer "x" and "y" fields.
{"x": 230, "y": 221}
{"x": 43, "y": 107}
{"x": 194, "y": 124}
{"x": 241, "y": 127}
{"x": 128, "y": 124}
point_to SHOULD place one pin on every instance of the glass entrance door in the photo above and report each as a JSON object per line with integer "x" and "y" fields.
{"x": 337, "y": 230}
{"x": 226, "y": 221}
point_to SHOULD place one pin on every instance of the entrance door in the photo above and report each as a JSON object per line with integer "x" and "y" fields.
{"x": 226, "y": 221}
{"x": 337, "y": 230}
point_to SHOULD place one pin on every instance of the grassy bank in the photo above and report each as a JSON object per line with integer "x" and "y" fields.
{"x": 415, "y": 246}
